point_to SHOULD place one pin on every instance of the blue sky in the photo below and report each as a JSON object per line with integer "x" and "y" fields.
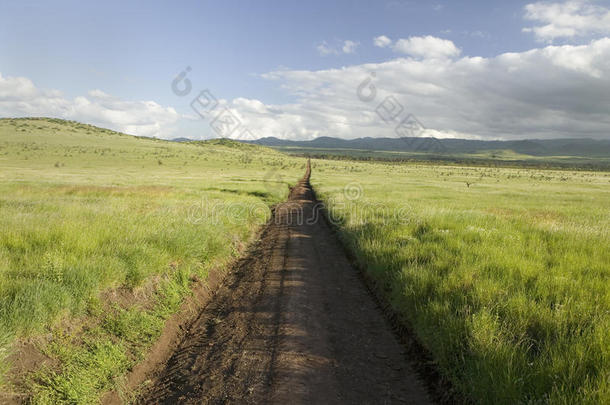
{"x": 129, "y": 52}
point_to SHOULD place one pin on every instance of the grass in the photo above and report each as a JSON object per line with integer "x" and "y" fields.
{"x": 102, "y": 235}
{"x": 493, "y": 158}
{"x": 501, "y": 273}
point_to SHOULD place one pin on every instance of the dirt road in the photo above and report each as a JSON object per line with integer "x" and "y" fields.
{"x": 294, "y": 323}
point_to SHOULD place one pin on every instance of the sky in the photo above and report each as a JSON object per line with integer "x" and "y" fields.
{"x": 301, "y": 70}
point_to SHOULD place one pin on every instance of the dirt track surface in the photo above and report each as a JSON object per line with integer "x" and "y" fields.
{"x": 293, "y": 323}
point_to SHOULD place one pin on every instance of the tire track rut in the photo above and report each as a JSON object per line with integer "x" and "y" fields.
{"x": 293, "y": 323}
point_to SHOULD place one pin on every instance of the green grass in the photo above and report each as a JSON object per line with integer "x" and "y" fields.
{"x": 504, "y": 281}
{"x": 86, "y": 212}
{"x": 492, "y": 158}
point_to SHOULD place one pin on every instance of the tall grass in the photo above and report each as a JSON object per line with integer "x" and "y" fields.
{"x": 62, "y": 245}
{"x": 85, "y": 212}
{"x": 504, "y": 281}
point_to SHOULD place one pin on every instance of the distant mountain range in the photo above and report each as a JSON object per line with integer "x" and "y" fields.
{"x": 533, "y": 147}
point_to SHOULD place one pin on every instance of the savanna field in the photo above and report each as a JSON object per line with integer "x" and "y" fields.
{"x": 102, "y": 235}
{"x": 501, "y": 273}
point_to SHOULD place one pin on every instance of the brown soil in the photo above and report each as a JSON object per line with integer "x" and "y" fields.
{"x": 293, "y": 323}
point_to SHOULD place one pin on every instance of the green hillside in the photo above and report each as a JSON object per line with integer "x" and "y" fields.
{"x": 555, "y": 153}
{"x": 103, "y": 233}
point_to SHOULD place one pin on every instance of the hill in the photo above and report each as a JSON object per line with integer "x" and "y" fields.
{"x": 103, "y": 235}
{"x": 531, "y": 147}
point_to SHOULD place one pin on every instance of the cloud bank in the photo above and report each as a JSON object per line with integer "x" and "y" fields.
{"x": 19, "y": 97}
{"x": 554, "y": 91}
{"x": 569, "y": 19}
{"x": 547, "y": 92}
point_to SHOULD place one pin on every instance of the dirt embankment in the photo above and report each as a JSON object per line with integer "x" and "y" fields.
{"x": 293, "y": 323}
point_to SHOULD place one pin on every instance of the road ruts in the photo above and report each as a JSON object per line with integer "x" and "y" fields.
{"x": 292, "y": 324}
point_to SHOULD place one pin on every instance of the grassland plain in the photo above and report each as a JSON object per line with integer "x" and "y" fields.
{"x": 102, "y": 235}
{"x": 501, "y": 273}
{"x": 492, "y": 158}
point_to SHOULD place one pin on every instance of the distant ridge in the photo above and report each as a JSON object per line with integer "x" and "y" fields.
{"x": 534, "y": 147}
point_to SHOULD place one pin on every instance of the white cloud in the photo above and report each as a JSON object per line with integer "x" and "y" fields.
{"x": 98, "y": 93}
{"x": 549, "y": 92}
{"x": 282, "y": 121}
{"x": 254, "y": 106}
{"x": 567, "y": 20}
{"x": 555, "y": 91}
{"x": 477, "y": 34}
{"x": 427, "y": 47}
{"x": 347, "y": 46}
{"x": 382, "y": 41}
{"x": 325, "y": 49}
{"x": 20, "y": 97}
